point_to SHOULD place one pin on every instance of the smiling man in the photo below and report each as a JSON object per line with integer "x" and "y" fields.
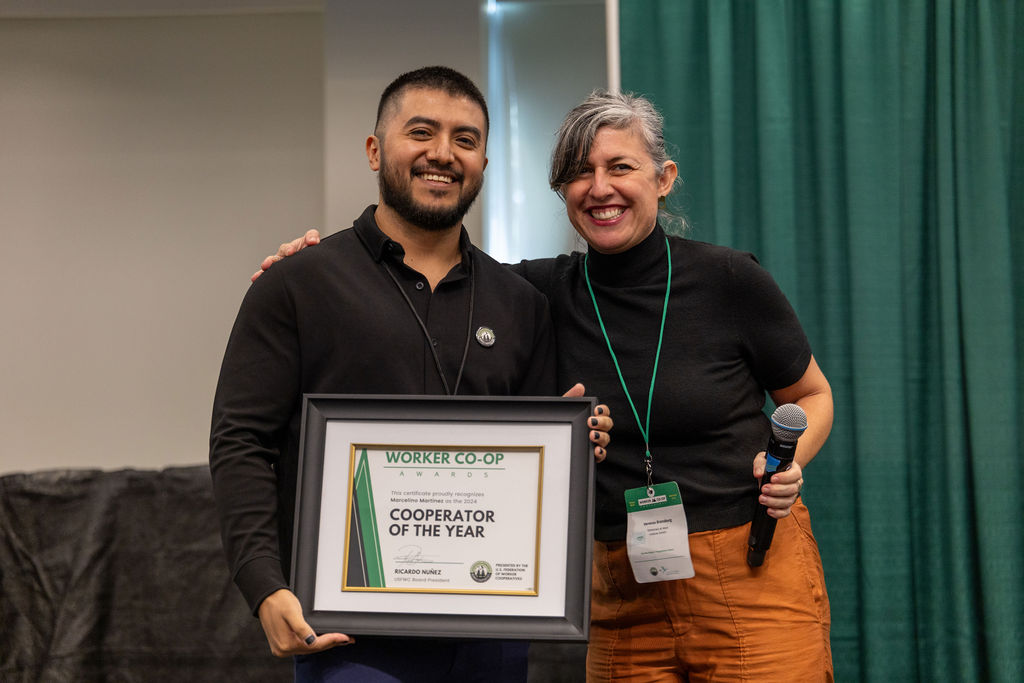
{"x": 400, "y": 303}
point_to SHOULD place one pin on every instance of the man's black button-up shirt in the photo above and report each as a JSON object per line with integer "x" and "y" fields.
{"x": 332, "y": 320}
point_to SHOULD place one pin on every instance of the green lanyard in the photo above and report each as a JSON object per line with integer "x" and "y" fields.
{"x": 644, "y": 428}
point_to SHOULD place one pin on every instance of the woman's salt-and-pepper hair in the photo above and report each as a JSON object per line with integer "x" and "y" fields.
{"x": 600, "y": 109}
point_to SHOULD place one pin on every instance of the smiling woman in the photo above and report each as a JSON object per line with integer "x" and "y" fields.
{"x": 613, "y": 201}
{"x": 685, "y": 340}
{"x": 611, "y": 168}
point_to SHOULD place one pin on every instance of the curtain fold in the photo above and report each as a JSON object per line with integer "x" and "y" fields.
{"x": 870, "y": 153}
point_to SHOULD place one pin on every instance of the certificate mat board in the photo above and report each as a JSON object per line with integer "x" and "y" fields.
{"x": 462, "y": 517}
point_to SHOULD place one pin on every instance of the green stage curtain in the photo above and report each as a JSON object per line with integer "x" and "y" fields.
{"x": 871, "y": 154}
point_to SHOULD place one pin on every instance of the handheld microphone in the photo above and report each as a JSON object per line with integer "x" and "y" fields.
{"x": 788, "y": 422}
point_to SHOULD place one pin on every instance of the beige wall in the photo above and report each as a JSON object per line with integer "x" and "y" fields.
{"x": 146, "y": 165}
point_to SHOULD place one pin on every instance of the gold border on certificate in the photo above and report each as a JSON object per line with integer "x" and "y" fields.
{"x": 429, "y": 539}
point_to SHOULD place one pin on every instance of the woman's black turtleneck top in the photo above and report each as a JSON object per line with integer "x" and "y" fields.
{"x": 730, "y": 335}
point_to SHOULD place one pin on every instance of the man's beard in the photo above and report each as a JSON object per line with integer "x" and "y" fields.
{"x": 396, "y": 192}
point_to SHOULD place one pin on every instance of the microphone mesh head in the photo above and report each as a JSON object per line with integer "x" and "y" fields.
{"x": 788, "y": 422}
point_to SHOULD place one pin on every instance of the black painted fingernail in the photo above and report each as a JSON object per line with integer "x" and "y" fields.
{"x": 593, "y": 422}
{"x": 310, "y": 639}
{"x": 600, "y": 410}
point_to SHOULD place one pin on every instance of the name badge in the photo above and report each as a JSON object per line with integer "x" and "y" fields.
{"x": 656, "y": 534}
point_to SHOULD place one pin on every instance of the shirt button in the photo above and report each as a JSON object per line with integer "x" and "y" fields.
{"x": 434, "y": 342}
{"x": 419, "y": 285}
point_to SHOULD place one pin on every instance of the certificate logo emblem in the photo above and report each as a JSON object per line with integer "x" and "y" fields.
{"x": 485, "y": 336}
{"x": 480, "y": 571}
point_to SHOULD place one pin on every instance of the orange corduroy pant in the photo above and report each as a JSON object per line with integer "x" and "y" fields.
{"x": 730, "y": 622}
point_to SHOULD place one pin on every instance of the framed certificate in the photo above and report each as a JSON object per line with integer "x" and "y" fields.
{"x": 439, "y": 516}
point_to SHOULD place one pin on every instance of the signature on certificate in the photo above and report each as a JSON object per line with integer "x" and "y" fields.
{"x": 411, "y": 554}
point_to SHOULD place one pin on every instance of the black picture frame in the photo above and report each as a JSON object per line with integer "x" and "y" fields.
{"x": 562, "y": 608}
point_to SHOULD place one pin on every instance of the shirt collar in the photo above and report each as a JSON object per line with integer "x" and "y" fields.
{"x": 637, "y": 265}
{"x": 380, "y": 245}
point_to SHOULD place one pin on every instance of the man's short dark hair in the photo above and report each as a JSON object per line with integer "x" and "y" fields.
{"x": 441, "y": 78}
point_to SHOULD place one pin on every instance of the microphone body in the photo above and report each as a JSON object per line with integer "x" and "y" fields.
{"x": 788, "y": 422}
